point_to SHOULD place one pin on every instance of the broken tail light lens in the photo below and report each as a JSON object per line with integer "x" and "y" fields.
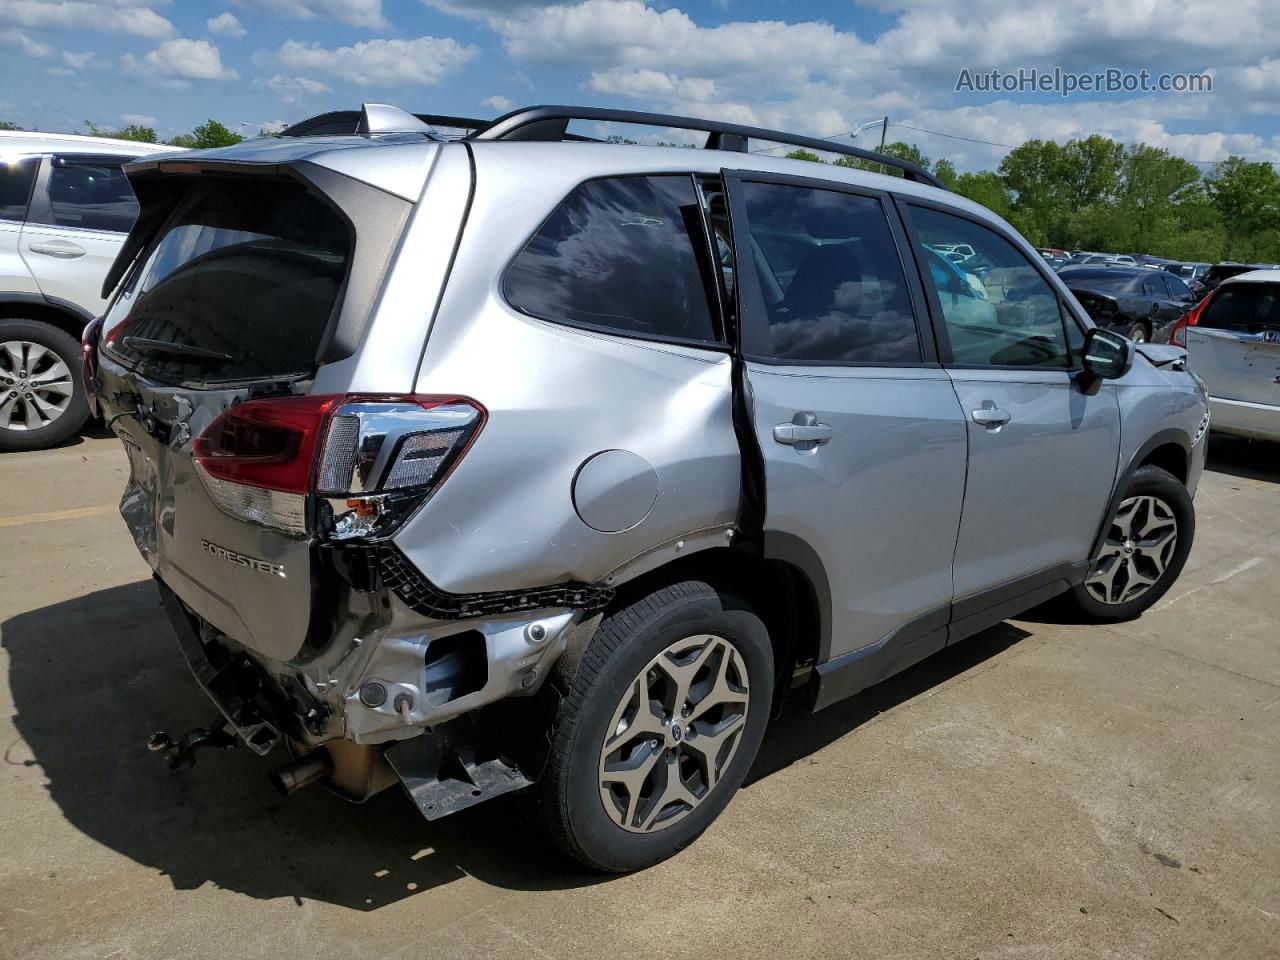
{"x": 368, "y": 461}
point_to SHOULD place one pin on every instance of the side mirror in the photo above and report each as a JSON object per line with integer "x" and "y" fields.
{"x": 1107, "y": 355}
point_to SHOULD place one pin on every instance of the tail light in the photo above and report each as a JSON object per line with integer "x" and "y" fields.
{"x": 1178, "y": 335}
{"x": 367, "y": 462}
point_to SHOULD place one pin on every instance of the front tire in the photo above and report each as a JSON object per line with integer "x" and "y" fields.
{"x": 659, "y": 723}
{"x": 42, "y": 400}
{"x": 1148, "y": 538}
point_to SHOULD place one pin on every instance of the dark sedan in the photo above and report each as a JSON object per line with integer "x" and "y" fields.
{"x": 1142, "y": 304}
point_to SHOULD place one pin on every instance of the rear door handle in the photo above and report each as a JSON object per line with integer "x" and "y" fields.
{"x": 804, "y": 432}
{"x": 62, "y": 249}
{"x": 991, "y": 417}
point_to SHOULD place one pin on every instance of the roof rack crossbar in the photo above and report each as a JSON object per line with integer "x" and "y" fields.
{"x": 549, "y": 123}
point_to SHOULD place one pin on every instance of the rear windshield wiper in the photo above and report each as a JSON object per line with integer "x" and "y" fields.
{"x": 184, "y": 350}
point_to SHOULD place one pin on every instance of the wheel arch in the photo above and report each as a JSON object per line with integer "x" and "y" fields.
{"x": 780, "y": 588}
{"x": 68, "y": 317}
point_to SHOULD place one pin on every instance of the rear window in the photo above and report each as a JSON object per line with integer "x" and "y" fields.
{"x": 241, "y": 286}
{"x": 1244, "y": 307}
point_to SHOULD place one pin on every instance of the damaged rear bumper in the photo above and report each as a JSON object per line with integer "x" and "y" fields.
{"x": 447, "y": 706}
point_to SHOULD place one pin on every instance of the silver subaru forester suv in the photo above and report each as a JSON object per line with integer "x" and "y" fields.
{"x": 508, "y": 460}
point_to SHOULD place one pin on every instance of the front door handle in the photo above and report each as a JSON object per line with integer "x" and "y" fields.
{"x": 62, "y": 249}
{"x": 804, "y": 432}
{"x": 991, "y": 417}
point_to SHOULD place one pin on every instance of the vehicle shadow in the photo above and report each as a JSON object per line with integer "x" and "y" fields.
{"x": 93, "y": 677}
{"x": 1243, "y": 458}
{"x": 799, "y": 733}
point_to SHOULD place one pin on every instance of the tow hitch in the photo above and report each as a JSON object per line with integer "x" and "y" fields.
{"x": 217, "y": 734}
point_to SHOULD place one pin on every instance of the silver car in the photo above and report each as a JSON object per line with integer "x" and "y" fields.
{"x": 514, "y": 462}
{"x": 65, "y": 208}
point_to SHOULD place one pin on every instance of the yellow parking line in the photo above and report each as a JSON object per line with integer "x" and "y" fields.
{"x": 73, "y": 514}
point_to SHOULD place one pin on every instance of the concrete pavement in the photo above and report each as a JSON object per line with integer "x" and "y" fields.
{"x": 1042, "y": 790}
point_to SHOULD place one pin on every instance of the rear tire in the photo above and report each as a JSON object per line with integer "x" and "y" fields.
{"x": 42, "y": 398}
{"x": 1149, "y": 536}
{"x": 1137, "y": 333}
{"x": 658, "y": 725}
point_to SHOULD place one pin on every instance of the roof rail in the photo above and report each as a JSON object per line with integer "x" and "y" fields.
{"x": 551, "y": 123}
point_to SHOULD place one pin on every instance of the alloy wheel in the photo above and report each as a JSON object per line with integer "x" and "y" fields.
{"x": 1136, "y": 552}
{"x": 35, "y": 385}
{"x": 674, "y": 733}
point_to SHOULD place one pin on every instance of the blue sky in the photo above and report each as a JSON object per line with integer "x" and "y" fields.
{"x": 805, "y": 65}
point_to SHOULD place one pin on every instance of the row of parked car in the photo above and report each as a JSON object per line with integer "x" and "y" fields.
{"x": 1232, "y": 336}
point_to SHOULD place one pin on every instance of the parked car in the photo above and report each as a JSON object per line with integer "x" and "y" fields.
{"x": 1050, "y": 253}
{"x": 65, "y": 207}
{"x": 1140, "y": 303}
{"x": 1188, "y": 273}
{"x": 1233, "y": 342}
{"x": 466, "y": 463}
{"x": 1221, "y": 271}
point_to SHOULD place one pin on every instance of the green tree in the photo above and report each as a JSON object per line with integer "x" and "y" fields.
{"x": 897, "y": 149}
{"x": 987, "y": 189}
{"x": 133, "y": 131}
{"x": 1090, "y": 171}
{"x": 1151, "y": 179}
{"x": 1247, "y": 198}
{"x": 804, "y": 155}
{"x": 945, "y": 171}
{"x": 210, "y": 134}
{"x": 7, "y": 125}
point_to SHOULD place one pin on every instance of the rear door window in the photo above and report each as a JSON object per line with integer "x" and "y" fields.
{"x": 16, "y": 177}
{"x": 623, "y": 255}
{"x": 832, "y": 282}
{"x": 242, "y": 285}
{"x": 90, "y": 193}
{"x": 1244, "y": 308}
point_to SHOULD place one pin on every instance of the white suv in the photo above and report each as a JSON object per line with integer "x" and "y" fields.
{"x": 65, "y": 208}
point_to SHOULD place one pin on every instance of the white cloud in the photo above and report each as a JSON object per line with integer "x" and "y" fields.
{"x": 178, "y": 61}
{"x": 424, "y": 61}
{"x": 109, "y": 16}
{"x": 77, "y": 61}
{"x": 226, "y": 23}
{"x": 16, "y": 38}
{"x": 293, "y": 89}
{"x": 358, "y": 13}
{"x": 813, "y": 78}
{"x": 140, "y": 119}
{"x": 498, "y": 102}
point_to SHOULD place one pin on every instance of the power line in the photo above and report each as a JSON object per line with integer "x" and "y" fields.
{"x": 952, "y": 136}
